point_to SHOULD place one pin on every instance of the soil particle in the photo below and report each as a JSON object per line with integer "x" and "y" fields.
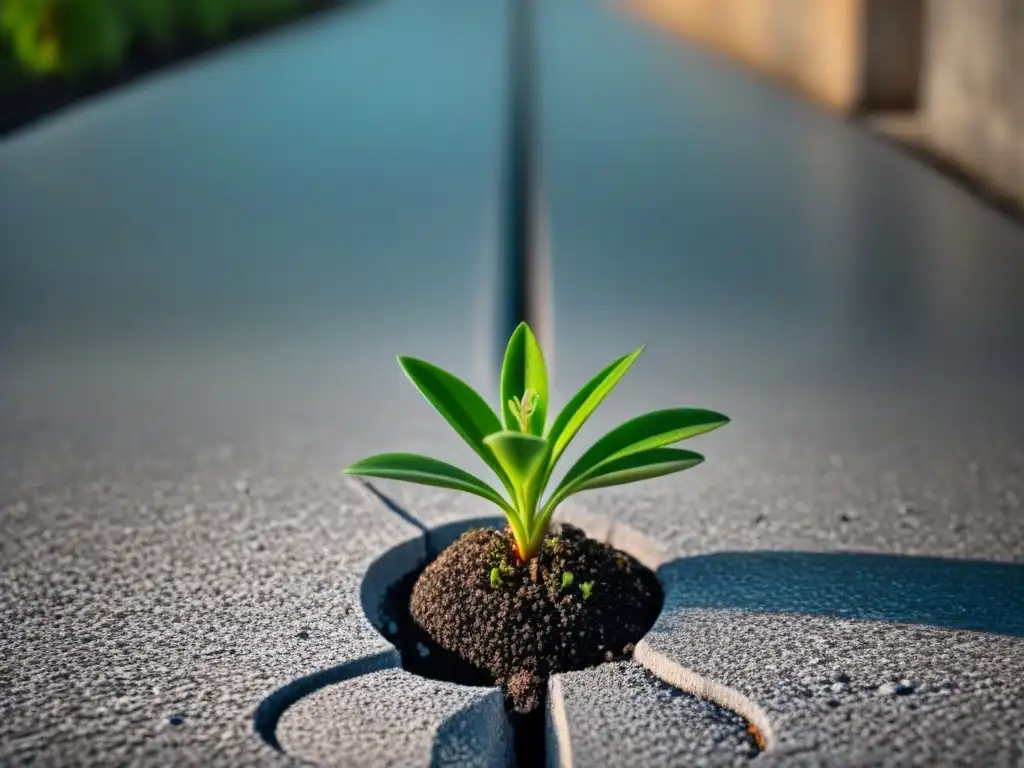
{"x": 531, "y": 619}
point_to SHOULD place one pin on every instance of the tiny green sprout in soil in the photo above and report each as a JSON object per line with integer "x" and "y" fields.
{"x": 536, "y": 598}
{"x": 522, "y": 448}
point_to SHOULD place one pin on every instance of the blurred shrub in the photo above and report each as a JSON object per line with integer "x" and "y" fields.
{"x": 65, "y": 37}
{"x": 77, "y": 37}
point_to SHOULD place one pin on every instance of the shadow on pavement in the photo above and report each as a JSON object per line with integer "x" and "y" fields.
{"x": 955, "y": 594}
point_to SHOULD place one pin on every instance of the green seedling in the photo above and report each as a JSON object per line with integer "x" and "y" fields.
{"x": 587, "y": 589}
{"x": 496, "y": 578}
{"x": 522, "y": 449}
{"x": 567, "y": 580}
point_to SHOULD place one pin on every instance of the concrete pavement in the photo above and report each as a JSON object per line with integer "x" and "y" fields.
{"x": 206, "y": 278}
{"x": 860, "y": 320}
{"x": 209, "y": 336}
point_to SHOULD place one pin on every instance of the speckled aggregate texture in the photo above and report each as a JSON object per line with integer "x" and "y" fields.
{"x": 206, "y": 279}
{"x": 151, "y": 595}
{"x": 642, "y": 721}
{"x": 187, "y": 364}
{"x": 840, "y": 691}
{"x": 395, "y": 718}
{"x": 861, "y": 320}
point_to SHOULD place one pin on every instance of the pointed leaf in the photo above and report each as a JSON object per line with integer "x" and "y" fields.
{"x": 524, "y": 369}
{"x": 635, "y": 467}
{"x": 652, "y": 430}
{"x": 413, "y": 468}
{"x": 460, "y": 405}
{"x": 521, "y": 456}
{"x": 584, "y": 402}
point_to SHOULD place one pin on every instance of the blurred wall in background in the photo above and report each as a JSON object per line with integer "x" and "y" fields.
{"x": 852, "y": 54}
{"x": 973, "y": 89}
{"x": 955, "y": 66}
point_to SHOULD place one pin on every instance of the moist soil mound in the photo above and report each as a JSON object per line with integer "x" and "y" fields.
{"x": 579, "y": 603}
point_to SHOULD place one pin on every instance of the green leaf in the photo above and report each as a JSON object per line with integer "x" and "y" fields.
{"x": 521, "y": 456}
{"x": 652, "y": 430}
{"x": 522, "y": 370}
{"x": 584, "y": 402}
{"x": 634, "y": 467}
{"x": 460, "y": 405}
{"x": 425, "y": 471}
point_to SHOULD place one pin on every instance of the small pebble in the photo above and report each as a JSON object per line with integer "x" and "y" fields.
{"x": 902, "y": 688}
{"x": 422, "y": 650}
{"x": 838, "y": 687}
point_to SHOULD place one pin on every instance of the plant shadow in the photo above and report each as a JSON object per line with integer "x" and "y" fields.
{"x": 947, "y": 593}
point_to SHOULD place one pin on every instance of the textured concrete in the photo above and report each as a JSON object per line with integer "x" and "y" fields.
{"x": 844, "y": 658}
{"x": 861, "y": 320}
{"x": 395, "y": 718}
{"x": 200, "y": 313}
{"x": 155, "y": 591}
{"x": 621, "y": 714}
{"x": 208, "y": 337}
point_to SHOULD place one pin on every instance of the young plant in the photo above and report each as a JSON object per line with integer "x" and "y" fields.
{"x": 522, "y": 450}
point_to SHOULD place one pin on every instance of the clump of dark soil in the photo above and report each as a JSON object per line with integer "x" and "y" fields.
{"x": 580, "y": 602}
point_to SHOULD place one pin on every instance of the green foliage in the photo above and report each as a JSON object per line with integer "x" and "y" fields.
{"x": 522, "y": 455}
{"x": 54, "y": 37}
{"x": 156, "y": 22}
{"x": 587, "y": 589}
{"x": 567, "y": 579}
{"x": 496, "y": 578}
{"x": 72, "y": 38}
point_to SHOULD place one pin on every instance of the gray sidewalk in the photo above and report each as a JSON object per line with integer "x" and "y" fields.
{"x": 204, "y": 280}
{"x": 860, "y": 319}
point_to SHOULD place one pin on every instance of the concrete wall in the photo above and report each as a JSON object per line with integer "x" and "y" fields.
{"x": 973, "y": 88}
{"x": 852, "y": 54}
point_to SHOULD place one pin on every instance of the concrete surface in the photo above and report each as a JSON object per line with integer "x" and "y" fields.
{"x": 860, "y": 319}
{"x": 393, "y": 717}
{"x": 854, "y": 659}
{"x": 188, "y": 364}
{"x": 205, "y": 280}
{"x": 621, "y": 714}
{"x": 274, "y": 189}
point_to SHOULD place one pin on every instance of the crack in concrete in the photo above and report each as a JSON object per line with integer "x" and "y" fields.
{"x": 268, "y": 713}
